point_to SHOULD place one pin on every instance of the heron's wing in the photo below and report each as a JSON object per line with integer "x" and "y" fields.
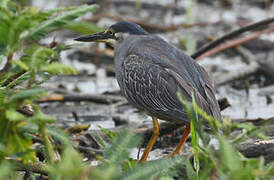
{"x": 209, "y": 90}
{"x": 208, "y": 103}
{"x": 190, "y": 76}
{"x": 205, "y": 91}
{"x": 154, "y": 89}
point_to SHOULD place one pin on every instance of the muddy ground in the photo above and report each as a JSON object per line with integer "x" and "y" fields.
{"x": 243, "y": 74}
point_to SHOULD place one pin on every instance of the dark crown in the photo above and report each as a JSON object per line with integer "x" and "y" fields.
{"x": 128, "y": 27}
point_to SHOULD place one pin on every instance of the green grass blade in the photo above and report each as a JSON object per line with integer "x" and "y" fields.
{"x": 83, "y": 27}
{"x": 117, "y": 151}
{"x": 43, "y": 29}
{"x": 57, "y": 68}
{"x": 150, "y": 169}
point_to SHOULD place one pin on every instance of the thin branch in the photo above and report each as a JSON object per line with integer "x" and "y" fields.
{"x": 256, "y": 122}
{"x": 33, "y": 167}
{"x": 89, "y": 151}
{"x": 258, "y": 148}
{"x": 13, "y": 77}
{"x": 49, "y": 152}
{"x": 103, "y": 99}
{"x": 230, "y": 44}
{"x": 251, "y": 27}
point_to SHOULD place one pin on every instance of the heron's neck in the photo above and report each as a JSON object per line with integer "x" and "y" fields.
{"x": 121, "y": 37}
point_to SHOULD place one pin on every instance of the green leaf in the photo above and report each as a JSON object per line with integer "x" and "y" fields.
{"x": 44, "y": 28}
{"x": 18, "y": 25}
{"x": 5, "y": 23}
{"x": 12, "y": 25}
{"x": 58, "y": 135}
{"x": 40, "y": 118}
{"x": 117, "y": 151}
{"x": 111, "y": 135}
{"x": 190, "y": 44}
{"x": 229, "y": 156}
{"x": 57, "y": 68}
{"x": 59, "y": 10}
{"x": 13, "y": 115}
{"x": 21, "y": 65}
{"x": 189, "y": 169}
{"x": 83, "y": 27}
{"x": 69, "y": 167}
{"x": 2, "y": 95}
{"x": 24, "y": 94}
{"x": 39, "y": 57}
{"x": 5, "y": 170}
{"x": 4, "y": 4}
{"x": 62, "y": 47}
{"x": 150, "y": 169}
{"x": 19, "y": 80}
{"x": 106, "y": 172}
{"x": 213, "y": 123}
{"x": 195, "y": 126}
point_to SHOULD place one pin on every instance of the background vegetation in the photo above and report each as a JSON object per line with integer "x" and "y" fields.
{"x": 31, "y": 145}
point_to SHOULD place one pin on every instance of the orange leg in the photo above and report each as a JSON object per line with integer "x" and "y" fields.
{"x": 152, "y": 140}
{"x": 179, "y": 147}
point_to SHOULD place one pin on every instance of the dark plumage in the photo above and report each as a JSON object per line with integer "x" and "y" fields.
{"x": 151, "y": 72}
{"x": 128, "y": 27}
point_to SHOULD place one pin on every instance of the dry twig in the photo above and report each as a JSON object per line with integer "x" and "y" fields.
{"x": 231, "y": 35}
{"x": 103, "y": 99}
{"x": 32, "y": 167}
{"x": 231, "y": 44}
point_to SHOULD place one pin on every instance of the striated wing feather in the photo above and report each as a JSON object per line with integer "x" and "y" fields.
{"x": 209, "y": 90}
{"x": 154, "y": 89}
{"x": 167, "y": 68}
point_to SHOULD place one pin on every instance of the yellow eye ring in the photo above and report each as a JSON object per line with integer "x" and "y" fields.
{"x": 111, "y": 32}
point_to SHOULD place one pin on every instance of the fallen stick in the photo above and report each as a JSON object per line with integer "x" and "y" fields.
{"x": 258, "y": 148}
{"x": 231, "y": 35}
{"x": 13, "y": 77}
{"x": 256, "y": 122}
{"x": 103, "y": 99}
{"x": 38, "y": 167}
{"x": 88, "y": 151}
{"x": 230, "y": 44}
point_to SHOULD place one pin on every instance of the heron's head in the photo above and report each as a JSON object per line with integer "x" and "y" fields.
{"x": 114, "y": 33}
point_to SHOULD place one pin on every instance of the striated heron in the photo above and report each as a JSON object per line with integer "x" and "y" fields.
{"x": 150, "y": 73}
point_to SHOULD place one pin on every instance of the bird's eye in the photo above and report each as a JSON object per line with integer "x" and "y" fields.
{"x": 111, "y": 33}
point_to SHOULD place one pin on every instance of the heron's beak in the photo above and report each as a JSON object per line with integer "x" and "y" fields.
{"x": 97, "y": 37}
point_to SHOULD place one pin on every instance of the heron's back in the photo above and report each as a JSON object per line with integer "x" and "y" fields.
{"x": 155, "y": 57}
